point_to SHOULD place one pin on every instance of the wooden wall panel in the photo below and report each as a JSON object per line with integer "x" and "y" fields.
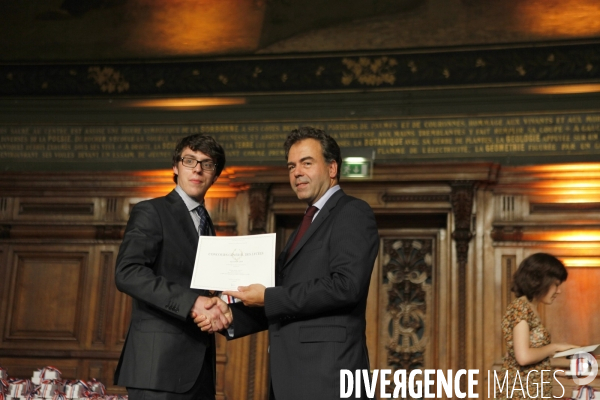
{"x": 105, "y": 301}
{"x": 59, "y": 305}
{"x": 44, "y": 302}
{"x": 53, "y": 209}
{"x": 122, "y": 314}
{"x": 573, "y": 318}
{"x": 509, "y": 267}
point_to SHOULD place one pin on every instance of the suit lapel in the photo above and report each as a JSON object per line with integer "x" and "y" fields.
{"x": 182, "y": 217}
{"x": 317, "y": 222}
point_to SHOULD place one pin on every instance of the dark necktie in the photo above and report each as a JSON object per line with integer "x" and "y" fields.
{"x": 306, "y": 221}
{"x": 203, "y": 227}
{"x": 203, "y": 231}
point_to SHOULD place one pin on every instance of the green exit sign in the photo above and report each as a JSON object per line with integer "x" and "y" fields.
{"x": 357, "y": 167}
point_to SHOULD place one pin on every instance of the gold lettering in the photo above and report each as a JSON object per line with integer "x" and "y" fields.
{"x": 457, "y": 123}
{"x": 391, "y": 150}
{"x": 541, "y": 147}
{"x": 384, "y": 142}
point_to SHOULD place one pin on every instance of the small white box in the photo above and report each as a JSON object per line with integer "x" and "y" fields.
{"x": 47, "y": 390}
{"x": 583, "y": 395}
{"x": 35, "y": 379}
{"x": 20, "y": 388}
{"x": 50, "y": 374}
{"x": 97, "y": 387}
{"x": 74, "y": 390}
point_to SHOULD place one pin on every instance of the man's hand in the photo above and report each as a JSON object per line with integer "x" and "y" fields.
{"x": 211, "y": 314}
{"x": 253, "y": 295}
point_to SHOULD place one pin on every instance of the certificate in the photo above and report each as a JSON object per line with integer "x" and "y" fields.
{"x": 594, "y": 349}
{"x": 226, "y": 262}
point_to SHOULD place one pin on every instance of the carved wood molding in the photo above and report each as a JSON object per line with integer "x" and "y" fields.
{"x": 68, "y": 186}
{"x": 5, "y": 231}
{"x": 407, "y": 277}
{"x": 30, "y": 208}
{"x": 110, "y": 232}
{"x": 550, "y": 208}
{"x": 392, "y": 198}
{"x": 462, "y": 206}
{"x": 252, "y": 363}
{"x": 106, "y": 268}
{"x": 258, "y": 197}
{"x": 507, "y": 233}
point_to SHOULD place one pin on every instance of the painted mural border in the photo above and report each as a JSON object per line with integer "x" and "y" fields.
{"x": 519, "y": 64}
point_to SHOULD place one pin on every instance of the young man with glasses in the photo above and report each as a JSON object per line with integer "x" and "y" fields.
{"x": 166, "y": 356}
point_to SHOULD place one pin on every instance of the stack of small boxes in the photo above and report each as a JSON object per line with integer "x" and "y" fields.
{"x": 582, "y": 367}
{"x": 46, "y": 384}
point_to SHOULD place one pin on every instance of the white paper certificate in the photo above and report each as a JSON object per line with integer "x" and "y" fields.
{"x": 226, "y": 262}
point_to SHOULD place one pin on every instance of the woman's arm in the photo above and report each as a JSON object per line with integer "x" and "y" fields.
{"x": 526, "y": 355}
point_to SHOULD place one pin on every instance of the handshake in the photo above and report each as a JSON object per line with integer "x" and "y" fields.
{"x": 212, "y": 314}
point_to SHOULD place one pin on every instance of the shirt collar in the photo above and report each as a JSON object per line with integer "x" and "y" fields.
{"x": 321, "y": 202}
{"x": 190, "y": 203}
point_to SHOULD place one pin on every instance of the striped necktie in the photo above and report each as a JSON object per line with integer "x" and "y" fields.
{"x": 203, "y": 226}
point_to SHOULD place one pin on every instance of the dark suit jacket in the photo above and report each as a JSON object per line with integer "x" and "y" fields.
{"x": 316, "y": 313}
{"x": 164, "y": 349}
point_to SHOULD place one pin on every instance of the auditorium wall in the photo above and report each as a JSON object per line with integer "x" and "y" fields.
{"x": 482, "y": 155}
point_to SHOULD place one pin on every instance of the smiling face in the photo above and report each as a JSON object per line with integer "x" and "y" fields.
{"x": 553, "y": 291}
{"x": 194, "y": 181}
{"x": 310, "y": 175}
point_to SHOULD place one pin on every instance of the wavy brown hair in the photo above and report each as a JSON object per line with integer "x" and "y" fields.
{"x": 536, "y": 274}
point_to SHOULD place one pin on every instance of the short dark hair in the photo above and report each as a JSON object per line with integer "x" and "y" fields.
{"x": 536, "y": 274}
{"x": 203, "y": 143}
{"x": 331, "y": 150}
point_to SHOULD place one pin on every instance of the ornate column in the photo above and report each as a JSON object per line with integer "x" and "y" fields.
{"x": 462, "y": 206}
{"x": 258, "y": 196}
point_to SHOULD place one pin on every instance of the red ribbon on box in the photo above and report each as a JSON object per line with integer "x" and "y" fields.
{"x": 48, "y": 369}
{"x": 3, "y": 386}
{"x": 97, "y": 387}
{"x": 47, "y": 388}
{"x": 590, "y": 392}
{"x": 19, "y": 387}
{"x": 71, "y": 389}
{"x": 58, "y": 395}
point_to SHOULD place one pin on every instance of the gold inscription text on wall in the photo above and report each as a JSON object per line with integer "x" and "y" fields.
{"x": 493, "y": 138}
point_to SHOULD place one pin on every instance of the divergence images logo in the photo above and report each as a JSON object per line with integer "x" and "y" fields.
{"x": 584, "y": 368}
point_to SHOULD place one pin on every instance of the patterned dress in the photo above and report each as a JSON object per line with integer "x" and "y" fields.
{"x": 517, "y": 311}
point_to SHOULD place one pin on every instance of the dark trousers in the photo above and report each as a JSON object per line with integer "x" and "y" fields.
{"x": 203, "y": 389}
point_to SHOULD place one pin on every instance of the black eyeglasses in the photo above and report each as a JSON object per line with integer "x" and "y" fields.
{"x": 191, "y": 162}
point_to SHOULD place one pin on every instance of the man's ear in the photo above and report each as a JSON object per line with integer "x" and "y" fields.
{"x": 333, "y": 169}
{"x": 176, "y": 170}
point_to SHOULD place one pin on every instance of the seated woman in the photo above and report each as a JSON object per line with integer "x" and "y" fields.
{"x": 536, "y": 281}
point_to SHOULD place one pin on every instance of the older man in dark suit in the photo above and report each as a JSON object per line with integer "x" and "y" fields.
{"x": 166, "y": 356}
{"x": 316, "y": 312}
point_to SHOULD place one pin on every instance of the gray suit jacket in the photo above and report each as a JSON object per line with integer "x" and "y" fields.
{"x": 316, "y": 313}
{"x": 164, "y": 349}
